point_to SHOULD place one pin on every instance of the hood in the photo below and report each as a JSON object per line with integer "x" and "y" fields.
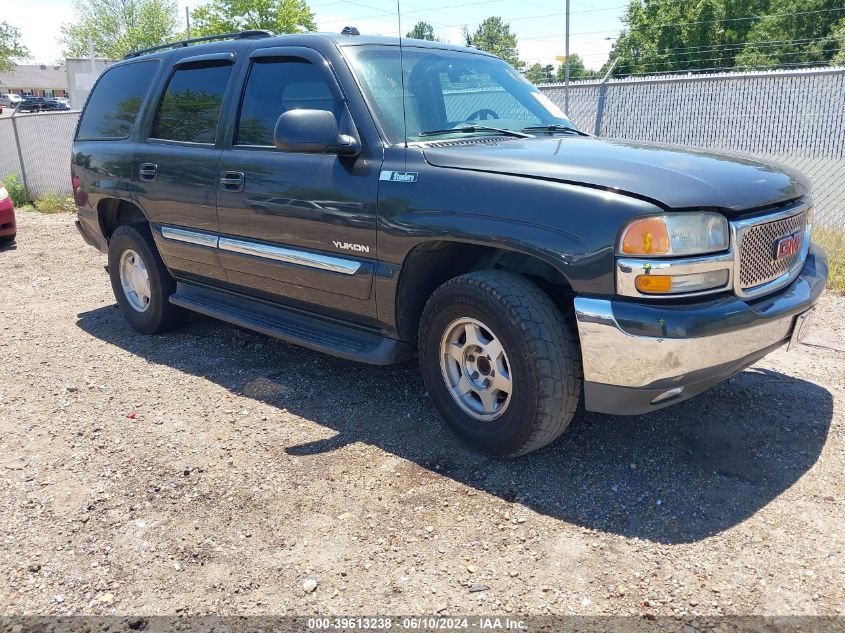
{"x": 671, "y": 177}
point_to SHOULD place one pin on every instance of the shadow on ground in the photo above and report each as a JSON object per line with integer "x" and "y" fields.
{"x": 674, "y": 476}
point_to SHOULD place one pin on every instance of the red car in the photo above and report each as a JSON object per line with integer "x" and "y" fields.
{"x": 8, "y": 228}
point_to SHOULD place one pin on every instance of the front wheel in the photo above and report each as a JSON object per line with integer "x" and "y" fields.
{"x": 499, "y": 362}
{"x": 141, "y": 283}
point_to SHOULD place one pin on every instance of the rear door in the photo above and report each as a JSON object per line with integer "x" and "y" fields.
{"x": 297, "y": 226}
{"x": 176, "y": 166}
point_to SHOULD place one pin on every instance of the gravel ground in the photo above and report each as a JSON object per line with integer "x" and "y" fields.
{"x": 212, "y": 470}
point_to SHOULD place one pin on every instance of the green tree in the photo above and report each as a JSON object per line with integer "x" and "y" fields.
{"x": 577, "y": 70}
{"x": 795, "y": 32}
{"x": 539, "y": 74}
{"x": 839, "y": 38}
{"x": 681, "y": 35}
{"x": 117, "y": 27}
{"x": 229, "y": 16}
{"x": 494, "y": 36}
{"x": 11, "y": 49}
{"x": 422, "y": 31}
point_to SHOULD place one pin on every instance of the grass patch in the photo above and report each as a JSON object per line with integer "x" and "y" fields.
{"x": 51, "y": 203}
{"x": 833, "y": 242}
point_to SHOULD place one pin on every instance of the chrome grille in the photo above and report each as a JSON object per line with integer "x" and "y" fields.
{"x": 757, "y": 252}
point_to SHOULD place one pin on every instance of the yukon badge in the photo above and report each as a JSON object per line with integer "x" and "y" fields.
{"x": 351, "y": 247}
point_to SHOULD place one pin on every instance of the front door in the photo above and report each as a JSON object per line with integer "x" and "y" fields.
{"x": 296, "y": 226}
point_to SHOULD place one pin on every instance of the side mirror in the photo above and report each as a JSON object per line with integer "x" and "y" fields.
{"x": 313, "y": 132}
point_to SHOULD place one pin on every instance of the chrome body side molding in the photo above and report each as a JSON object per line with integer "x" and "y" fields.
{"x": 289, "y": 255}
{"x": 284, "y": 254}
{"x": 189, "y": 237}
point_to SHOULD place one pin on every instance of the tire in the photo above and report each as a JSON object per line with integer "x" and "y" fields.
{"x": 147, "y": 313}
{"x": 538, "y": 354}
{"x": 8, "y": 239}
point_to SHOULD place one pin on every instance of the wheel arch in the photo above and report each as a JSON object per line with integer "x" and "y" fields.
{"x": 430, "y": 264}
{"x": 114, "y": 212}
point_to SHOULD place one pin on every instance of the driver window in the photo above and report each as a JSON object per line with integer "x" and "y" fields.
{"x": 275, "y": 86}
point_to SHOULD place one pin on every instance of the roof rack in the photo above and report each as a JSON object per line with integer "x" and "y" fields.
{"x": 243, "y": 35}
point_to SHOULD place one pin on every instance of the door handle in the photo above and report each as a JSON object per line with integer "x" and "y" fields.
{"x": 148, "y": 171}
{"x": 232, "y": 181}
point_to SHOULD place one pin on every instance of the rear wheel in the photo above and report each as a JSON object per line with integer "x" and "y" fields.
{"x": 499, "y": 362}
{"x": 141, "y": 283}
{"x": 8, "y": 239}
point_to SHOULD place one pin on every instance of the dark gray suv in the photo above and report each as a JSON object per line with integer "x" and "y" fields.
{"x": 327, "y": 191}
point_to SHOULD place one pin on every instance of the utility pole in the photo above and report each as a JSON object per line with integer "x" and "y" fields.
{"x": 566, "y": 66}
{"x": 91, "y": 54}
{"x": 188, "y": 21}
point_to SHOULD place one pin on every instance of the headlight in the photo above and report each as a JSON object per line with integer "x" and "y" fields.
{"x": 3, "y": 193}
{"x": 675, "y": 234}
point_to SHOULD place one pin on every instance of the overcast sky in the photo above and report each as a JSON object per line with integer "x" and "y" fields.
{"x": 539, "y": 24}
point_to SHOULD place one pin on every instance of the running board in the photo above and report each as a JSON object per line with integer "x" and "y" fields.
{"x": 290, "y": 326}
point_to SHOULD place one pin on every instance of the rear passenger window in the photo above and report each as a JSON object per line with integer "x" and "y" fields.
{"x": 113, "y": 107}
{"x": 275, "y": 86}
{"x": 190, "y": 108}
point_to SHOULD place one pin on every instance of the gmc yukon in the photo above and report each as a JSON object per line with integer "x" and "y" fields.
{"x": 381, "y": 204}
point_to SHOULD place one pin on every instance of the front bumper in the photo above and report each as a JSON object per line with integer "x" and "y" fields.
{"x": 639, "y": 357}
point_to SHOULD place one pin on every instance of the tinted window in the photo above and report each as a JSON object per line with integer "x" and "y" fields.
{"x": 191, "y": 104}
{"x": 275, "y": 86}
{"x": 114, "y": 105}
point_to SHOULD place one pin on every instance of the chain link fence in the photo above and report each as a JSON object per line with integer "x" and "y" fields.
{"x": 793, "y": 117}
{"x": 37, "y": 147}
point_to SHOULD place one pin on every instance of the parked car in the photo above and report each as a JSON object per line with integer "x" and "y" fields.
{"x": 32, "y": 104}
{"x": 288, "y": 185}
{"x": 8, "y": 227}
{"x": 8, "y": 100}
{"x": 55, "y": 105}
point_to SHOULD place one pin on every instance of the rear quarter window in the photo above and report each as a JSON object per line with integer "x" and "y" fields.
{"x": 114, "y": 105}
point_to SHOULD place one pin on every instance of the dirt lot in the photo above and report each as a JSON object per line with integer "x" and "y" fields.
{"x": 216, "y": 470}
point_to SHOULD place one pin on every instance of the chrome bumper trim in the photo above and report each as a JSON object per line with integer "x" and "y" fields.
{"x": 612, "y": 356}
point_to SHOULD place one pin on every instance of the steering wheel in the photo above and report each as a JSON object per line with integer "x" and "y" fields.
{"x": 483, "y": 115}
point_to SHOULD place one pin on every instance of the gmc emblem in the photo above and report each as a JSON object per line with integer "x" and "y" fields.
{"x": 789, "y": 245}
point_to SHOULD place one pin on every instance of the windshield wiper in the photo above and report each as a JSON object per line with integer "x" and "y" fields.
{"x": 470, "y": 129}
{"x": 554, "y": 127}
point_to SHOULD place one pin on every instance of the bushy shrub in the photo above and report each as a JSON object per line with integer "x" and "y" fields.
{"x": 17, "y": 191}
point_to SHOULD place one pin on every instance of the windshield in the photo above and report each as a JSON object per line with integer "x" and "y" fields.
{"x": 448, "y": 89}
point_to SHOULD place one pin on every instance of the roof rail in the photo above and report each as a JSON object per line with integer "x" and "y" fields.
{"x": 243, "y": 35}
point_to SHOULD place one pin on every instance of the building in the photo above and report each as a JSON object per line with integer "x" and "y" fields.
{"x": 37, "y": 80}
{"x": 81, "y": 76}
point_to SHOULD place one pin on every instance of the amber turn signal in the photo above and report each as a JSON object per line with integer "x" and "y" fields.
{"x": 653, "y": 284}
{"x": 648, "y": 236}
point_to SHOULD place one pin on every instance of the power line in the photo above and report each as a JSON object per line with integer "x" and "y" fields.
{"x": 767, "y": 47}
{"x": 668, "y": 24}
